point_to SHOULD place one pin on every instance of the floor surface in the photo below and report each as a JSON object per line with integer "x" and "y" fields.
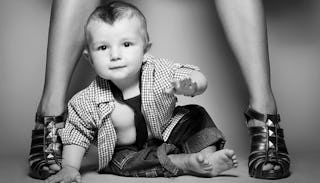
{"x": 305, "y": 169}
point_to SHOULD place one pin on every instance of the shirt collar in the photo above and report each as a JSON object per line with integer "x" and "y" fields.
{"x": 102, "y": 91}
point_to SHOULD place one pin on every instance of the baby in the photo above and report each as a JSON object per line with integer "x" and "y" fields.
{"x": 130, "y": 109}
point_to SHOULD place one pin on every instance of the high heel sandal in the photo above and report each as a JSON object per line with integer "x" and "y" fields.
{"x": 267, "y": 146}
{"x": 46, "y": 147}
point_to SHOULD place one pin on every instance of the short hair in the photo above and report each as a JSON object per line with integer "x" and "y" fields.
{"x": 116, "y": 10}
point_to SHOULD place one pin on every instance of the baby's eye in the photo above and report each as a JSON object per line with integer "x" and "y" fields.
{"x": 127, "y": 44}
{"x": 103, "y": 47}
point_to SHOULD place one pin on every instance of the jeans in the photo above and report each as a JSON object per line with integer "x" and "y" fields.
{"x": 194, "y": 132}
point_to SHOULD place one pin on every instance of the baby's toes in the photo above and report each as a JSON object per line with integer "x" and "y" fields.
{"x": 234, "y": 157}
{"x": 54, "y": 167}
{"x": 276, "y": 167}
{"x": 268, "y": 166}
{"x": 235, "y": 163}
{"x": 230, "y": 153}
{"x": 234, "y": 160}
{"x": 45, "y": 168}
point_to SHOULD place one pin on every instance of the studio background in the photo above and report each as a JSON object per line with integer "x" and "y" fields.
{"x": 186, "y": 31}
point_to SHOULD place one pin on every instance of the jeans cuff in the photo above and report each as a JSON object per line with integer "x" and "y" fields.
{"x": 163, "y": 151}
{"x": 204, "y": 138}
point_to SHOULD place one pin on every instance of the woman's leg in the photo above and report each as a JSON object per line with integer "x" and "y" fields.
{"x": 245, "y": 27}
{"x": 65, "y": 45}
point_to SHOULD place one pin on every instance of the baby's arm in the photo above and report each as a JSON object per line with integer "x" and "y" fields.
{"x": 193, "y": 85}
{"x": 72, "y": 156}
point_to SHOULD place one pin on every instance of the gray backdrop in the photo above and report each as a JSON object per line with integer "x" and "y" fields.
{"x": 186, "y": 31}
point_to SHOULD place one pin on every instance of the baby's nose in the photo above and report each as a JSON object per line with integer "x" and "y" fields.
{"x": 115, "y": 54}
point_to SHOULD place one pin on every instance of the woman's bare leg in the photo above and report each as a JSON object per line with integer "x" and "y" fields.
{"x": 245, "y": 27}
{"x": 65, "y": 45}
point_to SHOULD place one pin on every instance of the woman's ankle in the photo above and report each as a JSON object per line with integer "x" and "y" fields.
{"x": 51, "y": 106}
{"x": 52, "y": 103}
{"x": 51, "y": 111}
{"x": 264, "y": 106}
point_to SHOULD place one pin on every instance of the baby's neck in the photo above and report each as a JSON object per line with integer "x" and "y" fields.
{"x": 131, "y": 91}
{"x": 129, "y": 88}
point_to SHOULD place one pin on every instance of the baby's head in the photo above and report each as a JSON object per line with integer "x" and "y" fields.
{"x": 117, "y": 39}
{"x": 116, "y": 11}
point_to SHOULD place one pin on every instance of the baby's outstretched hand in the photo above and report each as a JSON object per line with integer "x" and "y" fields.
{"x": 183, "y": 87}
{"x": 66, "y": 174}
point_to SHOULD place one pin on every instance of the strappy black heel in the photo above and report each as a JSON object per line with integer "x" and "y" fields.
{"x": 267, "y": 146}
{"x": 46, "y": 147}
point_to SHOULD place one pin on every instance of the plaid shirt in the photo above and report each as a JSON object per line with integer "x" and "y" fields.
{"x": 89, "y": 110}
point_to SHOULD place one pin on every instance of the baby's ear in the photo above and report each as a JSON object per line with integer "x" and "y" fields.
{"x": 86, "y": 54}
{"x": 147, "y": 47}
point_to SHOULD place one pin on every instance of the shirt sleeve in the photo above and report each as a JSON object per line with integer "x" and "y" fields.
{"x": 176, "y": 71}
{"x": 79, "y": 128}
{"x": 182, "y": 71}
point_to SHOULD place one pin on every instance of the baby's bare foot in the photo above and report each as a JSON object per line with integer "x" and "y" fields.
{"x": 206, "y": 162}
{"x": 221, "y": 161}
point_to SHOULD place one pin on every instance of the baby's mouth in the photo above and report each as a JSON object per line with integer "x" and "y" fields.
{"x": 117, "y": 67}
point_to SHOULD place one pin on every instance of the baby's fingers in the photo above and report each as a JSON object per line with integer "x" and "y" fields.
{"x": 171, "y": 89}
{"x": 194, "y": 86}
{"x": 78, "y": 179}
{"x": 176, "y": 83}
{"x": 54, "y": 179}
{"x": 186, "y": 82}
{"x": 191, "y": 89}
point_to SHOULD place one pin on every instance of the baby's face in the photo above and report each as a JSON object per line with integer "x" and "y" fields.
{"x": 116, "y": 51}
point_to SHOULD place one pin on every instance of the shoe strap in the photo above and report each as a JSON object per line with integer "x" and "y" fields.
{"x": 45, "y": 120}
{"x": 253, "y": 114}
